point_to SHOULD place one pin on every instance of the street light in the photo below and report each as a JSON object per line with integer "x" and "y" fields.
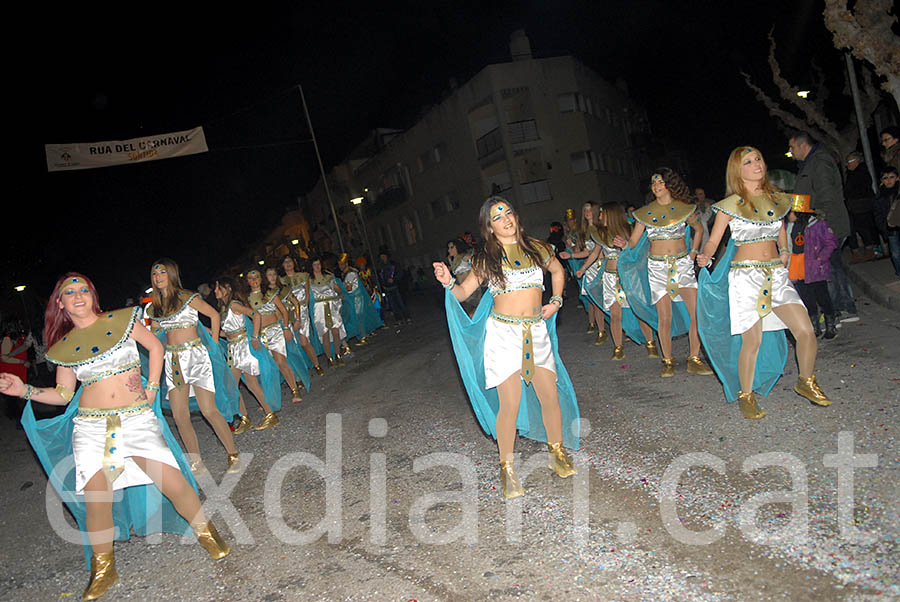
{"x": 20, "y": 289}
{"x": 295, "y": 242}
{"x": 803, "y": 93}
{"x": 357, "y": 202}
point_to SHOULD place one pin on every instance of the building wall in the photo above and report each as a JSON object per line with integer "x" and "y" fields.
{"x": 547, "y": 133}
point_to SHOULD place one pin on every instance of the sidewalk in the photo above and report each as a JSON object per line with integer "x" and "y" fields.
{"x": 876, "y": 279}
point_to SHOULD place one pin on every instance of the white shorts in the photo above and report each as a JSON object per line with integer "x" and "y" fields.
{"x": 138, "y": 436}
{"x": 503, "y": 350}
{"x": 240, "y": 356}
{"x": 190, "y": 362}
{"x": 658, "y": 271}
{"x": 610, "y": 288}
{"x": 744, "y": 286}
{"x": 272, "y": 337}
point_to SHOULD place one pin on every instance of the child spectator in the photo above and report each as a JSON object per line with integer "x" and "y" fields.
{"x": 811, "y": 245}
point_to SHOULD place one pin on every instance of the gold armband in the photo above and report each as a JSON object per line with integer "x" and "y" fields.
{"x": 65, "y": 392}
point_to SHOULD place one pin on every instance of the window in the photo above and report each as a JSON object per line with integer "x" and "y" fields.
{"x": 581, "y": 162}
{"x": 489, "y": 143}
{"x": 567, "y": 103}
{"x": 522, "y": 131}
{"x": 535, "y": 192}
{"x": 499, "y": 183}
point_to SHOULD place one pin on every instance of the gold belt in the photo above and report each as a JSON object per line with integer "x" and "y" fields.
{"x": 329, "y": 319}
{"x": 240, "y": 336}
{"x": 184, "y": 346}
{"x": 527, "y": 340}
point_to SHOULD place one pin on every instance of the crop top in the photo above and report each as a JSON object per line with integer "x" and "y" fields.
{"x": 297, "y": 282}
{"x": 611, "y": 252}
{"x": 322, "y": 288}
{"x": 664, "y": 222}
{"x": 519, "y": 271}
{"x": 103, "y": 349}
{"x": 744, "y": 232}
{"x": 264, "y": 307}
{"x": 232, "y": 322}
{"x": 186, "y": 317}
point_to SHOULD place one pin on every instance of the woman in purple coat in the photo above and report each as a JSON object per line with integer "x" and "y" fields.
{"x": 812, "y": 243}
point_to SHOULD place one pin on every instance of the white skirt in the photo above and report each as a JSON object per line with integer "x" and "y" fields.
{"x": 304, "y": 321}
{"x": 744, "y": 286}
{"x": 610, "y": 287}
{"x": 138, "y": 436}
{"x": 658, "y": 272}
{"x": 589, "y": 275}
{"x": 240, "y": 357}
{"x": 336, "y": 321}
{"x": 190, "y": 362}
{"x": 503, "y": 350}
{"x": 272, "y": 337}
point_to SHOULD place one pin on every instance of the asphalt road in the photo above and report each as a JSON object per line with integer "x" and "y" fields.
{"x": 413, "y": 511}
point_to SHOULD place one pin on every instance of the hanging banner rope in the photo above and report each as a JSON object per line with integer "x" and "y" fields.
{"x": 88, "y": 155}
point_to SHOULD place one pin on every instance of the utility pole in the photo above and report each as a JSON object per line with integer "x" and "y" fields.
{"x": 337, "y": 225}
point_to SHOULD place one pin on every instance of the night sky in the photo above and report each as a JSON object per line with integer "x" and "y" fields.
{"x": 88, "y": 74}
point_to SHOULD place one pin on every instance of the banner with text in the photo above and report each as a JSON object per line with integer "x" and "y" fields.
{"x": 87, "y": 155}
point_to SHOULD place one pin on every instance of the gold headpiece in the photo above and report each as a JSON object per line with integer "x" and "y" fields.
{"x": 251, "y": 272}
{"x": 587, "y": 204}
{"x": 70, "y": 281}
{"x": 570, "y": 214}
{"x": 747, "y": 150}
{"x": 800, "y": 203}
{"x": 656, "y": 178}
{"x": 498, "y": 209}
{"x": 343, "y": 258}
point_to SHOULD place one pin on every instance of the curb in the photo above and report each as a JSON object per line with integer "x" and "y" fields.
{"x": 874, "y": 290}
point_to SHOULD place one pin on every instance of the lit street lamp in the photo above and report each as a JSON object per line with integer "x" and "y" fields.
{"x": 357, "y": 202}
{"x": 21, "y": 289}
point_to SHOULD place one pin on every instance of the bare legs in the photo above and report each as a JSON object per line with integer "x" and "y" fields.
{"x": 252, "y": 384}
{"x": 664, "y": 317}
{"x": 285, "y": 370}
{"x": 690, "y": 301}
{"x": 99, "y": 495}
{"x": 510, "y": 393}
{"x": 178, "y": 399}
{"x": 308, "y": 348}
{"x": 615, "y": 323}
{"x": 797, "y": 320}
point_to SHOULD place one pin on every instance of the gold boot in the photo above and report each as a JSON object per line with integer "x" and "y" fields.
{"x": 234, "y": 462}
{"x": 509, "y": 482}
{"x": 103, "y": 574}
{"x": 591, "y": 328}
{"x": 652, "y": 351}
{"x": 268, "y": 420}
{"x": 362, "y": 342}
{"x": 698, "y": 366}
{"x": 668, "y": 368}
{"x": 209, "y": 538}
{"x": 331, "y": 362}
{"x": 560, "y": 461}
{"x": 810, "y": 389}
{"x": 319, "y": 370}
{"x": 601, "y": 338}
{"x": 619, "y": 352}
{"x": 244, "y": 425}
{"x": 345, "y": 350}
{"x": 747, "y": 403}
{"x": 198, "y": 467}
{"x": 295, "y": 395}
{"x": 338, "y": 360}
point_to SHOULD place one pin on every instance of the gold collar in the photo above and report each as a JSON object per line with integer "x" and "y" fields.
{"x": 655, "y": 215}
{"x": 184, "y": 297}
{"x": 82, "y": 345}
{"x": 761, "y": 209}
{"x": 295, "y": 278}
{"x": 256, "y": 299}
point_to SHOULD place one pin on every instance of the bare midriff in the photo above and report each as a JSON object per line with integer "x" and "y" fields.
{"x": 114, "y": 391}
{"x": 672, "y": 246}
{"x": 267, "y": 319}
{"x": 178, "y": 336}
{"x": 764, "y": 250}
{"x": 524, "y": 303}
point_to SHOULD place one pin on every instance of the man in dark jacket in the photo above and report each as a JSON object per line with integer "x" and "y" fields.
{"x": 859, "y": 195}
{"x": 820, "y": 178}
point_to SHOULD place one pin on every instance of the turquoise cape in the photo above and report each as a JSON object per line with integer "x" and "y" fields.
{"x": 269, "y": 375}
{"x": 141, "y": 508}
{"x": 226, "y": 388}
{"x": 630, "y": 325}
{"x": 366, "y": 316}
{"x": 633, "y": 276}
{"x": 467, "y": 335}
{"x": 722, "y": 347}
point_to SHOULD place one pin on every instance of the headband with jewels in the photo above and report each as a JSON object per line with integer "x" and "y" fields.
{"x": 159, "y": 266}
{"x": 254, "y": 273}
{"x": 656, "y": 178}
{"x": 570, "y": 213}
{"x": 498, "y": 209}
{"x": 587, "y": 205}
{"x": 747, "y": 150}
{"x": 71, "y": 281}
{"x": 801, "y": 203}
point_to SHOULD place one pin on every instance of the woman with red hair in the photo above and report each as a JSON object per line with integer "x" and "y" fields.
{"x": 114, "y": 430}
